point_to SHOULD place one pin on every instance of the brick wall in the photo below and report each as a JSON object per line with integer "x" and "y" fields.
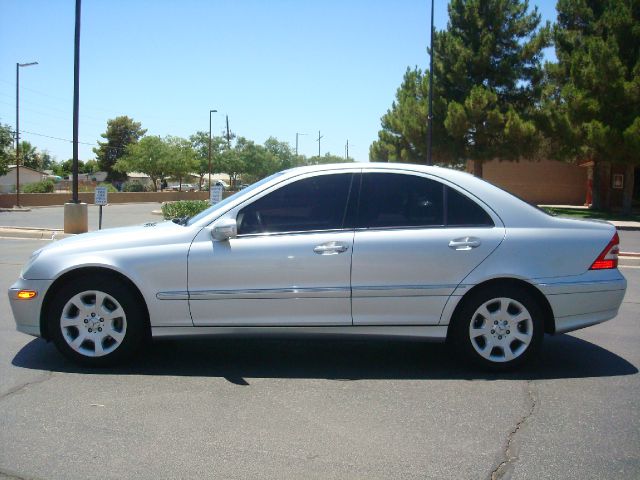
{"x": 546, "y": 182}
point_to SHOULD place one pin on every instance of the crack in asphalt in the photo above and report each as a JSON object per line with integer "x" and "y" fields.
{"x": 510, "y": 455}
{"x": 18, "y": 388}
{"x": 9, "y": 475}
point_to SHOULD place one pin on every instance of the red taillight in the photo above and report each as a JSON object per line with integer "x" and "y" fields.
{"x": 609, "y": 256}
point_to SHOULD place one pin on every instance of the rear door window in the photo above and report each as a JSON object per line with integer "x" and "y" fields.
{"x": 394, "y": 200}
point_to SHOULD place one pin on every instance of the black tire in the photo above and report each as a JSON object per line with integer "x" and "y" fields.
{"x": 103, "y": 335}
{"x": 490, "y": 345}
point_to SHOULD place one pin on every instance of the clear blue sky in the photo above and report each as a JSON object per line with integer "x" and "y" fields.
{"x": 275, "y": 67}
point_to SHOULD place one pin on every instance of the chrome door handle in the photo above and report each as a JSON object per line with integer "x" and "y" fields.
{"x": 331, "y": 248}
{"x": 465, "y": 243}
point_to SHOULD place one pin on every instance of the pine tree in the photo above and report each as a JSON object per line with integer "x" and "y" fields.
{"x": 121, "y": 132}
{"x": 487, "y": 75}
{"x": 592, "y": 101}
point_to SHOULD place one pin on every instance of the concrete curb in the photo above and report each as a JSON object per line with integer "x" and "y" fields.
{"x": 15, "y": 209}
{"x": 33, "y": 233}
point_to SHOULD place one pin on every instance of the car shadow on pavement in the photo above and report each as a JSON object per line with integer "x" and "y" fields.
{"x": 335, "y": 358}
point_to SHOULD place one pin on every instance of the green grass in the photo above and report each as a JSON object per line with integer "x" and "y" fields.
{"x": 586, "y": 213}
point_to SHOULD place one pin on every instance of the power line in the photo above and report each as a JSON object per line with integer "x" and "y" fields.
{"x": 62, "y": 139}
{"x": 71, "y": 141}
{"x": 60, "y": 99}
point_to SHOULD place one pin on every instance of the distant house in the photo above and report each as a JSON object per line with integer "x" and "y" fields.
{"x": 27, "y": 175}
{"x": 139, "y": 177}
{"x": 93, "y": 177}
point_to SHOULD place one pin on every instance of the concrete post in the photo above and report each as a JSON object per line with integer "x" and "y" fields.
{"x": 76, "y": 218}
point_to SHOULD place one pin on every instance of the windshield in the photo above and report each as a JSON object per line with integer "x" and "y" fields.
{"x": 230, "y": 199}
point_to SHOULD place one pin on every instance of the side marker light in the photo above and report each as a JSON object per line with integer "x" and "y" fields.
{"x": 26, "y": 294}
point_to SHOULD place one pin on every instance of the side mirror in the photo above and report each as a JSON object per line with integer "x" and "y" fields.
{"x": 224, "y": 229}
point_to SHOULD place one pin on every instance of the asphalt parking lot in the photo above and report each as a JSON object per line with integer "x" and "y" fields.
{"x": 321, "y": 408}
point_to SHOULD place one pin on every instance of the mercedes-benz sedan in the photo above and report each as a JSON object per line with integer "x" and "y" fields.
{"x": 379, "y": 249}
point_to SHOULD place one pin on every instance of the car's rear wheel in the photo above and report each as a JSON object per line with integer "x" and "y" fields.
{"x": 500, "y": 328}
{"x": 96, "y": 322}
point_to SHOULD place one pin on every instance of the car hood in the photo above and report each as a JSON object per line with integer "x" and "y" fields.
{"x": 122, "y": 237}
{"x": 104, "y": 247}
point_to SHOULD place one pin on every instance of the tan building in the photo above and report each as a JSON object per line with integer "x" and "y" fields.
{"x": 546, "y": 182}
{"x": 27, "y": 175}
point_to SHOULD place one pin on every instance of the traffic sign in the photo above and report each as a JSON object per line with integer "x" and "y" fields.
{"x": 101, "y": 196}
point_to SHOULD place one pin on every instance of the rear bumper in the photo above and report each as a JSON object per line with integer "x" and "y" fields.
{"x": 27, "y": 312}
{"x": 590, "y": 300}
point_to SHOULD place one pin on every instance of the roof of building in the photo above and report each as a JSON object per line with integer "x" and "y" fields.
{"x": 22, "y": 167}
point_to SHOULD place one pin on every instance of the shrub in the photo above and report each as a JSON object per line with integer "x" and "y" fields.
{"x": 183, "y": 208}
{"x": 110, "y": 188}
{"x": 132, "y": 186}
{"x": 91, "y": 189}
{"x": 45, "y": 186}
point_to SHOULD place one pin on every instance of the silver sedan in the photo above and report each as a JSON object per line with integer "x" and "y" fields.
{"x": 366, "y": 249}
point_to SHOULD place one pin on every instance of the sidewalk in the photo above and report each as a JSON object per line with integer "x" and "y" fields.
{"x": 48, "y": 222}
{"x": 623, "y": 225}
{"x": 620, "y": 224}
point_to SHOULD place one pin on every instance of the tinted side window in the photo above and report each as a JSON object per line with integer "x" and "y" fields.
{"x": 398, "y": 200}
{"x": 315, "y": 203}
{"x": 463, "y": 212}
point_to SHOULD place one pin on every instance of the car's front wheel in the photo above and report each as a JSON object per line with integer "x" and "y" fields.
{"x": 499, "y": 328}
{"x": 96, "y": 322}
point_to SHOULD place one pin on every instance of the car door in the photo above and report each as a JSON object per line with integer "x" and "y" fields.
{"x": 416, "y": 239}
{"x": 289, "y": 264}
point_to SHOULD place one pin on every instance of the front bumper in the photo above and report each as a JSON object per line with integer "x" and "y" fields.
{"x": 27, "y": 312}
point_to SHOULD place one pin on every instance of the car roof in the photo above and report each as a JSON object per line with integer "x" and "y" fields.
{"x": 512, "y": 210}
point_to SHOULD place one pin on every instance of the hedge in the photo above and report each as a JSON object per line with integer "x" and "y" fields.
{"x": 184, "y": 208}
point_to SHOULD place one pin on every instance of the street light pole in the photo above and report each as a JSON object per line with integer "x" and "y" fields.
{"x": 430, "y": 116}
{"x": 18, "y": 65}
{"x": 297, "y": 141}
{"x": 76, "y": 100}
{"x": 76, "y": 217}
{"x": 210, "y": 112}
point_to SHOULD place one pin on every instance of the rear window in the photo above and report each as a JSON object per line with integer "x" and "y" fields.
{"x": 464, "y": 212}
{"x": 395, "y": 200}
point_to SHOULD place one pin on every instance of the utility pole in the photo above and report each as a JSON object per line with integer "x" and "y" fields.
{"x": 346, "y": 150}
{"x": 320, "y": 137}
{"x": 228, "y": 134}
{"x": 430, "y": 117}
